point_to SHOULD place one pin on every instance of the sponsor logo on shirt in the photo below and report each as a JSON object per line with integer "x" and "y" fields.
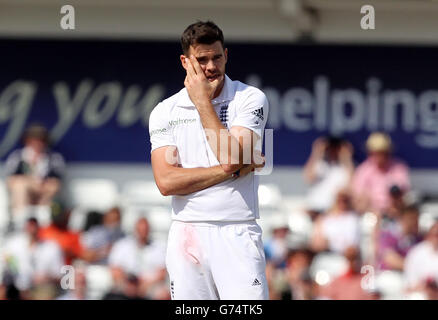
{"x": 258, "y": 113}
{"x": 256, "y": 282}
{"x": 161, "y": 130}
{"x": 179, "y": 121}
{"x": 173, "y": 123}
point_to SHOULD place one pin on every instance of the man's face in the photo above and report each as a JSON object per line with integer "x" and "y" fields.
{"x": 32, "y": 229}
{"x": 112, "y": 218}
{"x": 281, "y": 232}
{"x": 38, "y": 145}
{"x": 211, "y": 57}
{"x": 142, "y": 230}
{"x": 299, "y": 261}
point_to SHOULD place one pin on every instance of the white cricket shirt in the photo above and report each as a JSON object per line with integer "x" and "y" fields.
{"x": 176, "y": 122}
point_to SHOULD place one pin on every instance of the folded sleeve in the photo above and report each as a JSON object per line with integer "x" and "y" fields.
{"x": 252, "y": 112}
{"x": 160, "y": 132}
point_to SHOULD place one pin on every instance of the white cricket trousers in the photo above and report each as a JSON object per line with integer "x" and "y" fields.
{"x": 216, "y": 260}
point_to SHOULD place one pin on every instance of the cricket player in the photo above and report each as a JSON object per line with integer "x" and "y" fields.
{"x": 206, "y": 143}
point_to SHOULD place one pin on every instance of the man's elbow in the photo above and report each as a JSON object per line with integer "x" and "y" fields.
{"x": 231, "y": 168}
{"x": 164, "y": 187}
{"x": 164, "y": 191}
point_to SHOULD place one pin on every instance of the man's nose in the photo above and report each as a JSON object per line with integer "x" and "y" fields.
{"x": 210, "y": 65}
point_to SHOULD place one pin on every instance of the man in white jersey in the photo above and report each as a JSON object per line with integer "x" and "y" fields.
{"x": 205, "y": 141}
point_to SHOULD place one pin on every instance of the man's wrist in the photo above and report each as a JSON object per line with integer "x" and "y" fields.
{"x": 203, "y": 104}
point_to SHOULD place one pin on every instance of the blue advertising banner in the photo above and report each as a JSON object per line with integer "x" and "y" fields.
{"x": 96, "y": 96}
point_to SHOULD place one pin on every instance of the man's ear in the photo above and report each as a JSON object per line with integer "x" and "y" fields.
{"x": 226, "y": 54}
{"x": 183, "y": 61}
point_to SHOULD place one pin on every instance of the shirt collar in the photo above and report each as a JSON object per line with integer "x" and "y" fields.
{"x": 227, "y": 94}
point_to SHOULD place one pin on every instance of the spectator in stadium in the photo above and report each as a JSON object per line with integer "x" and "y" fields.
{"x": 68, "y": 240}
{"x": 276, "y": 247}
{"x": 300, "y": 286}
{"x": 276, "y": 250}
{"x": 34, "y": 172}
{"x": 79, "y": 291}
{"x": 338, "y": 228}
{"x": 328, "y": 169}
{"x": 349, "y": 285}
{"x": 421, "y": 264}
{"x": 33, "y": 263}
{"x": 143, "y": 257}
{"x": 389, "y": 220}
{"x": 395, "y": 243}
{"x": 8, "y": 289}
{"x": 377, "y": 175}
{"x": 101, "y": 237}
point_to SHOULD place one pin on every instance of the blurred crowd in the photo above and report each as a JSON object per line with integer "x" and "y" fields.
{"x": 341, "y": 195}
{"x": 36, "y": 247}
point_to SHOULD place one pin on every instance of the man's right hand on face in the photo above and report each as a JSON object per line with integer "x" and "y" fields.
{"x": 200, "y": 90}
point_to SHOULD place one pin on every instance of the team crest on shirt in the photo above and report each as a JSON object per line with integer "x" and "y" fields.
{"x": 223, "y": 115}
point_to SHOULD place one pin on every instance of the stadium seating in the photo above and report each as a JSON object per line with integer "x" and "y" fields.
{"x": 390, "y": 285}
{"x": 327, "y": 266}
{"x": 301, "y": 227}
{"x": 428, "y": 215}
{"x": 160, "y": 221}
{"x": 269, "y": 196}
{"x": 143, "y": 193}
{"x": 271, "y": 219}
{"x": 99, "y": 281}
{"x": 90, "y": 194}
{"x": 143, "y": 199}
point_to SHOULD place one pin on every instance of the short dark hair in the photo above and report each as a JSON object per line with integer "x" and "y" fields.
{"x": 201, "y": 32}
{"x": 293, "y": 252}
{"x": 334, "y": 141}
{"x": 36, "y": 131}
{"x": 32, "y": 220}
